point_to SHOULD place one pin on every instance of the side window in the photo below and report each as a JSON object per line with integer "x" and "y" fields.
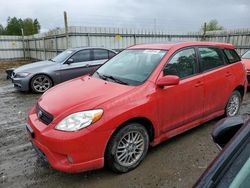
{"x": 111, "y": 54}
{"x": 210, "y": 58}
{"x": 182, "y": 64}
{"x": 81, "y": 56}
{"x": 232, "y": 56}
{"x": 100, "y": 54}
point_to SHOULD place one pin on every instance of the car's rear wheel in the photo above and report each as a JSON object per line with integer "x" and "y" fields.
{"x": 40, "y": 83}
{"x": 233, "y": 104}
{"x": 127, "y": 148}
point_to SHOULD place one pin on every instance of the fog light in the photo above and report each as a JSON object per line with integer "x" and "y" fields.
{"x": 70, "y": 159}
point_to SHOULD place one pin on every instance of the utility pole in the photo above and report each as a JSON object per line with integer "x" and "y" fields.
{"x": 66, "y": 28}
{"x": 204, "y": 31}
{"x": 24, "y": 55}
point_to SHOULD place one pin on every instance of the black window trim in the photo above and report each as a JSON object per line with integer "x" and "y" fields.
{"x": 197, "y": 72}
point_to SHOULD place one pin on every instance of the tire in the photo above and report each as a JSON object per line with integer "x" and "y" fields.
{"x": 233, "y": 104}
{"x": 122, "y": 156}
{"x": 40, "y": 83}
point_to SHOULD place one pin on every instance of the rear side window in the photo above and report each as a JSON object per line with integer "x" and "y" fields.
{"x": 81, "y": 56}
{"x": 232, "y": 56}
{"x": 100, "y": 54}
{"x": 210, "y": 58}
{"x": 182, "y": 64}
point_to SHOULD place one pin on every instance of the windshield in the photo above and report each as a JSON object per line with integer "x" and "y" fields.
{"x": 130, "y": 67}
{"x": 246, "y": 55}
{"x": 63, "y": 56}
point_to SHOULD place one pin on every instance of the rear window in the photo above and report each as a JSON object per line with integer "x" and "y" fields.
{"x": 232, "y": 56}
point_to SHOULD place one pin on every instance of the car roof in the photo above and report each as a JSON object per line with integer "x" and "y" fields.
{"x": 168, "y": 46}
{"x": 85, "y": 48}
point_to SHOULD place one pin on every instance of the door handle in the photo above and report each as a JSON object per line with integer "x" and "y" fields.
{"x": 228, "y": 74}
{"x": 198, "y": 84}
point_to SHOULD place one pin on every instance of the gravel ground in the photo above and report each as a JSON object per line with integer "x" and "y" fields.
{"x": 177, "y": 162}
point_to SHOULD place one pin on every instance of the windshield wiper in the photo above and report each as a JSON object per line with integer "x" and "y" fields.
{"x": 105, "y": 77}
{"x": 52, "y": 60}
{"x": 115, "y": 79}
{"x": 101, "y": 76}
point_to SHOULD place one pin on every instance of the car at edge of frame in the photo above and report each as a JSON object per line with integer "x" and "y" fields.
{"x": 246, "y": 61}
{"x": 231, "y": 168}
{"x": 71, "y": 63}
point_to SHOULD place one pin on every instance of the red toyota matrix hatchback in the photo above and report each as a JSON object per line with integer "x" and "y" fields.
{"x": 144, "y": 95}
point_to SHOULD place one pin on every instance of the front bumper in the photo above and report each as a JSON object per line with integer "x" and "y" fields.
{"x": 21, "y": 84}
{"x": 69, "y": 151}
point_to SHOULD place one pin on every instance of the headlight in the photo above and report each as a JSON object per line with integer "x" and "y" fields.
{"x": 79, "y": 120}
{"x": 22, "y": 74}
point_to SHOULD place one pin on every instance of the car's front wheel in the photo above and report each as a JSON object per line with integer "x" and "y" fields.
{"x": 127, "y": 148}
{"x": 40, "y": 83}
{"x": 233, "y": 104}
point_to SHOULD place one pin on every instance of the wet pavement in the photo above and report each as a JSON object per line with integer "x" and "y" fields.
{"x": 177, "y": 162}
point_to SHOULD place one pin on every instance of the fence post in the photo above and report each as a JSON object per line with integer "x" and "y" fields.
{"x": 24, "y": 56}
{"x": 35, "y": 46}
{"x": 88, "y": 39}
{"x": 56, "y": 44}
{"x": 134, "y": 38}
{"x": 44, "y": 49}
{"x": 66, "y": 28}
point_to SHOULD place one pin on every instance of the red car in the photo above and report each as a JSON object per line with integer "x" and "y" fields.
{"x": 144, "y": 95}
{"x": 246, "y": 61}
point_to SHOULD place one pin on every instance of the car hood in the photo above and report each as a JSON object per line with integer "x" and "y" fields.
{"x": 246, "y": 63}
{"x": 35, "y": 67}
{"x": 83, "y": 93}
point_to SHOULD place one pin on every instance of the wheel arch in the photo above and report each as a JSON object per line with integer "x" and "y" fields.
{"x": 241, "y": 89}
{"x": 41, "y": 74}
{"x": 141, "y": 120}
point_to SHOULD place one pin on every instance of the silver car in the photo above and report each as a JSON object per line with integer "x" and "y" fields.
{"x": 69, "y": 64}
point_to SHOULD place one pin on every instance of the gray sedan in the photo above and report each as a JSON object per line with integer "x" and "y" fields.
{"x": 69, "y": 64}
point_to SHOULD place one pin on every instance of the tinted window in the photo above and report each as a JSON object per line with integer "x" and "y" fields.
{"x": 81, "y": 56}
{"x": 111, "y": 54}
{"x": 210, "y": 58}
{"x": 232, "y": 56}
{"x": 182, "y": 64}
{"x": 100, "y": 54}
{"x": 246, "y": 55}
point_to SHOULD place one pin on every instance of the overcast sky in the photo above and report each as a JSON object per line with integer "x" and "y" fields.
{"x": 174, "y": 15}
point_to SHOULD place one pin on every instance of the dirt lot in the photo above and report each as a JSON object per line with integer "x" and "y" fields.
{"x": 175, "y": 163}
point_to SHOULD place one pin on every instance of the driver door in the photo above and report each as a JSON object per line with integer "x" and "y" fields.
{"x": 78, "y": 67}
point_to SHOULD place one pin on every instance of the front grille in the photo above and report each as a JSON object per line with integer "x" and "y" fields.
{"x": 44, "y": 116}
{"x": 248, "y": 78}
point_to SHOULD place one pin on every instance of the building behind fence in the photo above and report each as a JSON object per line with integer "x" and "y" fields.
{"x": 47, "y": 45}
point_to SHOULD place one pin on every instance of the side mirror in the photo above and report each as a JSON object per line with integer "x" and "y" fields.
{"x": 225, "y": 129}
{"x": 69, "y": 61}
{"x": 169, "y": 80}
